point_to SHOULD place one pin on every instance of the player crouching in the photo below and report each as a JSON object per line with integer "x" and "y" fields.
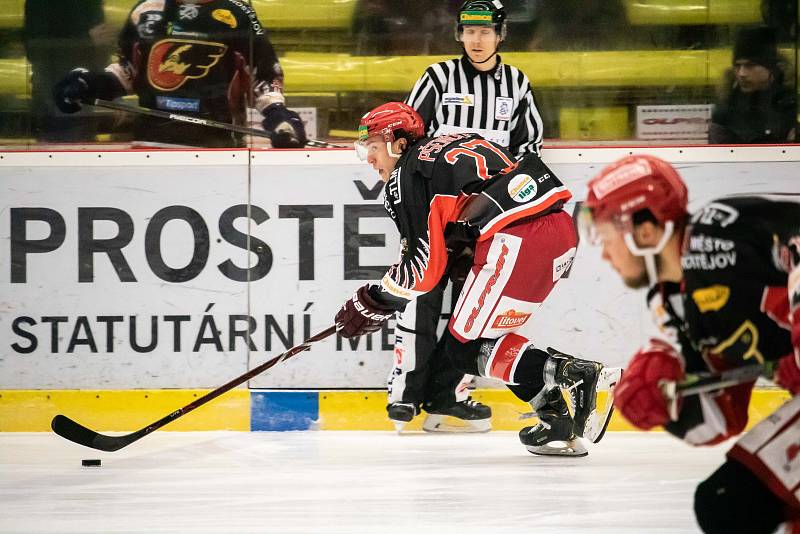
{"x": 461, "y": 194}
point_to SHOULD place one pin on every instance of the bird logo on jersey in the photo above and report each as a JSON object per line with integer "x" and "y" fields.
{"x": 174, "y": 61}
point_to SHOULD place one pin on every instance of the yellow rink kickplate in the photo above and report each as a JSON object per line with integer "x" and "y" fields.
{"x": 101, "y": 410}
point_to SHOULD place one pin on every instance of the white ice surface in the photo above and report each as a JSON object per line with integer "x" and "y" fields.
{"x": 347, "y": 482}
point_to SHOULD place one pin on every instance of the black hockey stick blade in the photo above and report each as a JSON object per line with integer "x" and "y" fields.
{"x": 77, "y": 433}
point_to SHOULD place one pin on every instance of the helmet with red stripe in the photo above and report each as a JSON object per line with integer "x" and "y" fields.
{"x": 391, "y": 121}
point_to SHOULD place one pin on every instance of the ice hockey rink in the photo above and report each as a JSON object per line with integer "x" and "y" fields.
{"x": 343, "y": 482}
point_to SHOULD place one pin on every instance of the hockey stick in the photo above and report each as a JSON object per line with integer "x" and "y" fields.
{"x": 701, "y": 383}
{"x": 197, "y": 120}
{"x": 77, "y": 433}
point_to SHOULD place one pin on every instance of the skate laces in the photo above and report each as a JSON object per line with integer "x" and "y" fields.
{"x": 572, "y": 393}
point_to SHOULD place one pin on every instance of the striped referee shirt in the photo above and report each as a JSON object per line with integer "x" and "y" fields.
{"x": 455, "y": 97}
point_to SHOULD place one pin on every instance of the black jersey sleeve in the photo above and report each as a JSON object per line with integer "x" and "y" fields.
{"x": 735, "y": 288}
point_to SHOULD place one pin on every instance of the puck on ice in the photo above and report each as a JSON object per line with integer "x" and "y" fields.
{"x": 90, "y": 463}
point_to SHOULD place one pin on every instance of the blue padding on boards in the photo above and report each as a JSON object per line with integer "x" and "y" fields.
{"x": 283, "y": 410}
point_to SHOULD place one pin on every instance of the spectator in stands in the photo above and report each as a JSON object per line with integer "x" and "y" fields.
{"x": 384, "y": 27}
{"x": 758, "y": 106}
{"x": 57, "y": 36}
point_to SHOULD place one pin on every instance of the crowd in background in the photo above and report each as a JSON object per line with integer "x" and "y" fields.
{"x": 56, "y": 37}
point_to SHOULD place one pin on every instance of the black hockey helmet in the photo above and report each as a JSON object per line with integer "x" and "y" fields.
{"x": 482, "y": 13}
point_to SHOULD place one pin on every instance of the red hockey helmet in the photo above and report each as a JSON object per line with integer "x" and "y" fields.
{"x": 392, "y": 121}
{"x": 635, "y": 183}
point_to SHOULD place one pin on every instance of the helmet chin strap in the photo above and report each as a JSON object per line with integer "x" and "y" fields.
{"x": 391, "y": 152}
{"x": 649, "y": 253}
{"x": 480, "y": 62}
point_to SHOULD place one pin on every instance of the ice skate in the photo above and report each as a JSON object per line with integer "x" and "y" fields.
{"x": 401, "y": 413}
{"x": 464, "y": 416}
{"x": 583, "y": 379}
{"x": 598, "y": 422}
{"x": 553, "y": 436}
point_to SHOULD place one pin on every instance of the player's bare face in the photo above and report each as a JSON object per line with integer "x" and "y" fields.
{"x": 378, "y": 156}
{"x": 630, "y": 268}
{"x": 751, "y": 76}
{"x": 480, "y": 42}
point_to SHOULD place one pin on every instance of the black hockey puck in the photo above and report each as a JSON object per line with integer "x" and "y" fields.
{"x": 90, "y": 463}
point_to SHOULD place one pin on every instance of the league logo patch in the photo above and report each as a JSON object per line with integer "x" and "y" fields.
{"x": 502, "y": 108}
{"x": 174, "y": 61}
{"x": 522, "y": 188}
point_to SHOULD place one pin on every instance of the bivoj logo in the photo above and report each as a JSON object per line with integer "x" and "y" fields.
{"x": 174, "y": 61}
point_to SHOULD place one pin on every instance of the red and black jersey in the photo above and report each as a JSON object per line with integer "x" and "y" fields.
{"x": 461, "y": 185}
{"x": 740, "y": 290}
{"x": 200, "y": 58}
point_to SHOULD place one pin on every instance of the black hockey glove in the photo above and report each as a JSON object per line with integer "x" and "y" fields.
{"x": 361, "y": 314}
{"x": 81, "y": 86}
{"x": 284, "y": 126}
{"x": 459, "y": 265}
{"x": 460, "y": 241}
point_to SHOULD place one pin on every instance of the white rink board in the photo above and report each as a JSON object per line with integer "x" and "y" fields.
{"x": 297, "y": 283}
{"x": 52, "y": 288}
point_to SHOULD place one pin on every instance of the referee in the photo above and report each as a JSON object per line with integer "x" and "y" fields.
{"x": 475, "y": 93}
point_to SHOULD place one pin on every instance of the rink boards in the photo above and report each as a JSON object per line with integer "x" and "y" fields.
{"x": 242, "y": 409}
{"x": 134, "y": 280}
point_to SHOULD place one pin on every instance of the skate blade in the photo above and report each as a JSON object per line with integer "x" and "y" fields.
{"x": 398, "y": 426}
{"x": 599, "y": 419}
{"x": 454, "y": 425}
{"x": 559, "y": 448}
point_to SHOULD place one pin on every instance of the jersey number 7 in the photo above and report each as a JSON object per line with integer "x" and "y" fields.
{"x": 467, "y": 148}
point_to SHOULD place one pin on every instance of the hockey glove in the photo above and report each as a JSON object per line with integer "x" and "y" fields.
{"x": 638, "y": 395}
{"x": 284, "y": 126}
{"x": 361, "y": 314}
{"x": 81, "y": 86}
{"x": 787, "y": 374}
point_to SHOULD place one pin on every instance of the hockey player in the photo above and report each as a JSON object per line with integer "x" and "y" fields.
{"x": 475, "y": 93}
{"x": 205, "y": 58}
{"x": 461, "y": 191}
{"x": 724, "y": 287}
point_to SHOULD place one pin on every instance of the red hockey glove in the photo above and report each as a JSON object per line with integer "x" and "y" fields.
{"x": 787, "y": 374}
{"x": 361, "y": 314}
{"x": 638, "y": 396}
